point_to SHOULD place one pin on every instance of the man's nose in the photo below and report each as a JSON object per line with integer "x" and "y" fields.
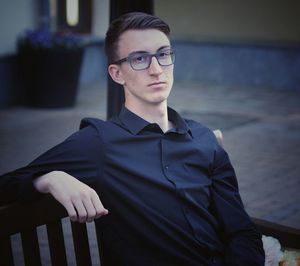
{"x": 155, "y": 68}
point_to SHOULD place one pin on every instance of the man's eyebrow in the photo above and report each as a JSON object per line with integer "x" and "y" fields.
{"x": 164, "y": 47}
{"x": 146, "y": 52}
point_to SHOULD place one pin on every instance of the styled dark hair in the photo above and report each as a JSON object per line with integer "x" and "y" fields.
{"x": 130, "y": 21}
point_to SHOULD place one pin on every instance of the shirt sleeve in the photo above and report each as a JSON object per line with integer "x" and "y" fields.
{"x": 80, "y": 155}
{"x": 242, "y": 240}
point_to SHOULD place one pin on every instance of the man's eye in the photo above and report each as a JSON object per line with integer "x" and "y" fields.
{"x": 139, "y": 59}
{"x": 164, "y": 54}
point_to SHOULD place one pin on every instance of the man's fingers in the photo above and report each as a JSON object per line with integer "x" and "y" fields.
{"x": 81, "y": 211}
{"x": 100, "y": 210}
{"x": 90, "y": 209}
{"x": 71, "y": 210}
{"x": 89, "y": 206}
{"x": 93, "y": 206}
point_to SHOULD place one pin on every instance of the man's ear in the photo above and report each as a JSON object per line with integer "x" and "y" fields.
{"x": 116, "y": 74}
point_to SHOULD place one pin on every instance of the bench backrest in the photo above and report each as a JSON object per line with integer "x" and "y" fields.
{"x": 25, "y": 218}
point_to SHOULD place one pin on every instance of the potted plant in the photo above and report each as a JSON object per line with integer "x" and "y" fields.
{"x": 50, "y": 65}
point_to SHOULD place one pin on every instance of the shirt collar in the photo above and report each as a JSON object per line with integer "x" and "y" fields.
{"x": 135, "y": 124}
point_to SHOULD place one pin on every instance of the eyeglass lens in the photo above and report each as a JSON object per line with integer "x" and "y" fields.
{"x": 142, "y": 61}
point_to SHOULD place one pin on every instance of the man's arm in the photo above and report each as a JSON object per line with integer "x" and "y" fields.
{"x": 242, "y": 240}
{"x": 68, "y": 172}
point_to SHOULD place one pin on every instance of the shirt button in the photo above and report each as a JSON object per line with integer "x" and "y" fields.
{"x": 167, "y": 167}
{"x": 214, "y": 261}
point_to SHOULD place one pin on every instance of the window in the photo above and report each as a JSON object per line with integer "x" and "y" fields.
{"x": 74, "y": 15}
{"x": 72, "y": 10}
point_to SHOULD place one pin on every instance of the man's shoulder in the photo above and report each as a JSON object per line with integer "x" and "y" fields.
{"x": 103, "y": 128}
{"x": 96, "y": 123}
{"x": 91, "y": 122}
{"x": 197, "y": 127}
{"x": 201, "y": 132}
{"x": 89, "y": 129}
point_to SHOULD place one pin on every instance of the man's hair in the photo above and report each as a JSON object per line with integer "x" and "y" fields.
{"x": 130, "y": 21}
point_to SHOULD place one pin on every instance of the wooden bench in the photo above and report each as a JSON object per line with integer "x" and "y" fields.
{"x": 25, "y": 218}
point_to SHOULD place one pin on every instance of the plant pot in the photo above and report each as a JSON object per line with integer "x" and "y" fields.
{"x": 50, "y": 76}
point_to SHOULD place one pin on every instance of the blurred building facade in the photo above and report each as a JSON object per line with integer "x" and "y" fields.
{"x": 232, "y": 43}
{"x": 236, "y": 43}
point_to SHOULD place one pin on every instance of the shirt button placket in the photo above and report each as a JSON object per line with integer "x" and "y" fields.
{"x": 166, "y": 165}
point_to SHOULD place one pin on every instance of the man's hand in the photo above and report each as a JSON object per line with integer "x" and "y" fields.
{"x": 81, "y": 202}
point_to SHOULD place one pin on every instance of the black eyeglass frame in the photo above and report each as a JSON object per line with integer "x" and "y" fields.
{"x": 156, "y": 55}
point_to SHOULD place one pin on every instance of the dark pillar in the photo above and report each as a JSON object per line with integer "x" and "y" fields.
{"x": 115, "y": 94}
{"x": 44, "y": 15}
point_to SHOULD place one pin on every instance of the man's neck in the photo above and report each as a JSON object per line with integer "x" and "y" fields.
{"x": 153, "y": 114}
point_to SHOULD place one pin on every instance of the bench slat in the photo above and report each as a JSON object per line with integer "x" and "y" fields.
{"x": 56, "y": 243}
{"x": 81, "y": 244}
{"x": 31, "y": 248}
{"x": 6, "y": 254}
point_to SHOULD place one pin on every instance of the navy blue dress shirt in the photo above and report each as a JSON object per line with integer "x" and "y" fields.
{"x": 172, "y": 197}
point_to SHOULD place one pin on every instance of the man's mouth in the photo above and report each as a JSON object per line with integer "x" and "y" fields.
{"x": 157, "y": 83}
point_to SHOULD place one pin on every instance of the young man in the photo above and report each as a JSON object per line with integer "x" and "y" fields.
{"x": 170, "y": 191}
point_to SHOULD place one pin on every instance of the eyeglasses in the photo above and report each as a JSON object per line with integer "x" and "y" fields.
{"x": 142, "y": 60}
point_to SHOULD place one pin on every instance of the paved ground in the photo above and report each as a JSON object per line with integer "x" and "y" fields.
{"x": 261, "y": 130}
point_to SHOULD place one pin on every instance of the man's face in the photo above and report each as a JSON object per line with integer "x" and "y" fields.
{"x": 150, "y": 86}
